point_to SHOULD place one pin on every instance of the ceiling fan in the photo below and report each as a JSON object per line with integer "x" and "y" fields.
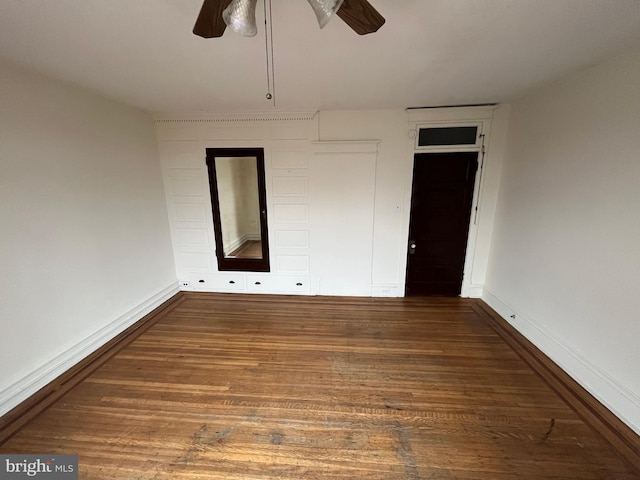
{"x": 239, "y": 15}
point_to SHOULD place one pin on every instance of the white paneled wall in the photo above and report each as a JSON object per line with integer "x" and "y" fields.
{"x": 320, "y": 204}
{"x": 338, "y": 202}
{"x": 187, "y": 190}
{"x": 288, "y": 200}
{"x": 343, "y": 196}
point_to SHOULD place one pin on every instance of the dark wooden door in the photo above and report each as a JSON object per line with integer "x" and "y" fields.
{"x": 441, "y": 199}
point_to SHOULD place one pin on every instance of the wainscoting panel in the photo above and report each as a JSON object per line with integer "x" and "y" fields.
{"x": 287, "y": 139}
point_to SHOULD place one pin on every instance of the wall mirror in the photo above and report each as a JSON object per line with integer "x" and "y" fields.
{"x": 239, "y": 205}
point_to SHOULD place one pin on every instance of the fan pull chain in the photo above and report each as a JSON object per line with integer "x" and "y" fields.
{"x": 268, "y": 43}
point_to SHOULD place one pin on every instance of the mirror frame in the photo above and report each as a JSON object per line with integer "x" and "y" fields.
{"x": 239, "y": 264}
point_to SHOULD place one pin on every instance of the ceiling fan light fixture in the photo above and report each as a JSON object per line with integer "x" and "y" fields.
{"x": 325, "y": 9}
{"x": 240, "y": 16}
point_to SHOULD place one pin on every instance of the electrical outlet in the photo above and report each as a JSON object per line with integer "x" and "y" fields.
{"x": 383, "y": 291}
{"x": 185, "y": 283}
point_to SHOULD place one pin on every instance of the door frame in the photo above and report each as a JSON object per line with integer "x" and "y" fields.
{"x": 480, "y": 116}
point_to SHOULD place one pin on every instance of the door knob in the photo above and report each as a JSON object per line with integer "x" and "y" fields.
{"x": 412, "y": 247}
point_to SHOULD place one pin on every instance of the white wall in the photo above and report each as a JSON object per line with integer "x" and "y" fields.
{"x": 393, "y": 178}
{"x": 565, "y": 255}
{"x": 393, "y": 165}
{"x": 320, "y": 203}
{"x": 338, "y": 197}
{"x": 286, "y": 140}
{"x": 85, "y": 246}
{"x": 342, "y": 181}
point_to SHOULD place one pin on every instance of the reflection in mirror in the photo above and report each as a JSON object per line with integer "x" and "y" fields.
{"x": 236, "y": 178}
{"x": 239, "y": 208}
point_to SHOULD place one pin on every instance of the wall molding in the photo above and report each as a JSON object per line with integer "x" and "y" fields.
{"x": 598, "y": 399}
{"x": 23, "y": 389}
{"x": 235, "y": 117}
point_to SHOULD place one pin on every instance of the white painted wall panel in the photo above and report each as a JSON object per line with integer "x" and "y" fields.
{"x": 196, "y": 261}
{"x": 290, "y": 186}
{"x": 189, "y": 213}
{"x": 342, "y": 188}
{"x": 289, "y": 159}
{"x": 292, "y": 263}
{"x": 393, "y": 166}
{"x": 291, "y": 213}
{"x": 292, "y": 239}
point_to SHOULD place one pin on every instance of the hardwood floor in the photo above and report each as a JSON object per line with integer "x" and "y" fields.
{"x": 265, "y": 387}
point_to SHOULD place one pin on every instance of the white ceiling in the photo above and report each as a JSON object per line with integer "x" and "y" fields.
{"x": 429, "y": 53}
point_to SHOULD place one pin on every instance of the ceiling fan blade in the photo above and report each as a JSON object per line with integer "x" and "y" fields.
{"x": 360, "y": 16}
{"x": 209, "y": 23}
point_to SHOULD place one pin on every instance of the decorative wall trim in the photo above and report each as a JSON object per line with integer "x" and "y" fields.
{"x": 236, "y": 117}
{"x": 50, "y": 372}
{"x": 592, "y": 398}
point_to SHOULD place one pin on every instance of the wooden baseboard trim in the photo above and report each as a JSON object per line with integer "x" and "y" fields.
{"x": 37, "y": 403}
{"x": 622, "y": 438}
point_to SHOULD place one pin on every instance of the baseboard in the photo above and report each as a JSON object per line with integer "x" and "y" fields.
{"x": 475, "y": 291}
{"x": 238, "y": 242}
{"x": 235, "y": 244}
{"x": 559, "y": 366}
{"x": 35, "y": 392}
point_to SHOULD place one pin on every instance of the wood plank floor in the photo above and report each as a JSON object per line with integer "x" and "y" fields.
{"x": 263, "y": 387}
